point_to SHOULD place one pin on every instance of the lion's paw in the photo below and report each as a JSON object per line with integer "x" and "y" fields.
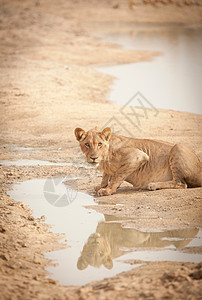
{"x": 104, "y": 192}
{"x": 97, "y": 188}
{"x": 152, "y": 186}
{"x": 181, "y": 185}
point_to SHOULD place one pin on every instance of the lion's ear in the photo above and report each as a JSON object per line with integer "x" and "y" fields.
{"x": 80, "y": 134}
{"x": 106, "y": 134}
{"x": 108, "y": 263}
{"x": 82, "y": 263}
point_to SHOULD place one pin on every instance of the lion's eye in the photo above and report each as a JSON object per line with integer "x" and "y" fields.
{"x": 99, "y": 145}
{"x": 87, "y": 145}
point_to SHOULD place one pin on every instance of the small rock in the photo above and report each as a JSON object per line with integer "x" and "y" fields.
{"x": 43, "y": 218}
{"x": 2, "y": 229}
{"x": 197, "y": 275}
{"x": 24, "y": 268}
{"x": 4, "y": 257}
{"x": 22, "y": 205}
{"x": 52, "y": 281}
{"x": 10, "y": 266}
{"x": 67, "y": 68}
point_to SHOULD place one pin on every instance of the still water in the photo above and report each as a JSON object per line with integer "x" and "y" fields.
{"x": 172, "y": 80}
{"x": 97, "y": 244}
{"x": 34, "y": 162}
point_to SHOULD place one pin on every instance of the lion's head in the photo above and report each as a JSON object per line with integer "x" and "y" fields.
{"x": 94, "y": 143}
{"x": 96, "y": 252}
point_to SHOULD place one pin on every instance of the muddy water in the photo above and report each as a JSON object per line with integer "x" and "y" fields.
{"x": 97, "y": 246}
{"x": 170, "y": 81}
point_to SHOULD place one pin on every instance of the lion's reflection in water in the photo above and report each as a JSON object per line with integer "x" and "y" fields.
{"x": 108, "y": 241}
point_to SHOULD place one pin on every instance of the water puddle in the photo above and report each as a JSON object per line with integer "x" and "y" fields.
{"x": 170, "y": 81}
{"x": 97, "y": 245}
{"x": 31, "y": 162}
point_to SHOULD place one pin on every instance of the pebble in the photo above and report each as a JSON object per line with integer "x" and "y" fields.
{"x": 2, "y": 229}
{"x": 4, "y": 257}
{"x": 52, "y": 281}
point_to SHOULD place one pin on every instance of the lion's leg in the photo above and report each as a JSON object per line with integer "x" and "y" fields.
{"x": 166, "y": 185}
{"x": 104, "y": 182}
{"x": 138, "y": 158}
{"x": 114, "y": 183}
{"x": 185, "y": 167}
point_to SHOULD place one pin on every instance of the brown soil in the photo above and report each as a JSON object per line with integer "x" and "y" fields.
{"x": 48, "y": 87}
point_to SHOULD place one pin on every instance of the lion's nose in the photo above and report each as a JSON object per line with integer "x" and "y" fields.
{"x": 93, "y": 158}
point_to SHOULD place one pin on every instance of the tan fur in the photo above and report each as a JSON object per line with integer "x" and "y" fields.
{"x": 146, "y": 164}
{"x": 109, "y": 240}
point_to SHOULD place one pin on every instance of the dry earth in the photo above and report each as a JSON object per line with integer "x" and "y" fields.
{"x": 48, "y": 87}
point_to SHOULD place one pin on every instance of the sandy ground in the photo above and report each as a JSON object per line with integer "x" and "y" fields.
{"x": 48, "y": 87}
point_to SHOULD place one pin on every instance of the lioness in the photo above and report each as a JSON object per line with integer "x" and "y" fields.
{"x": 146, "y": 164}
{"x": 108, "y": 241}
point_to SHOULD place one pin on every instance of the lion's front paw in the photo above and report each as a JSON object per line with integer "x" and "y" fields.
{"x": 181, "y": 185}
{"x": 152, "y": 186}
{"x": 97, "y": 188}
{"x": 104, "y": 192}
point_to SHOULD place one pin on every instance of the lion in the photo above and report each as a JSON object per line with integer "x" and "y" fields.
{"x": 96, "y": 252}
{"x": 110, "y": 239}
{"x": 144, "y": 163}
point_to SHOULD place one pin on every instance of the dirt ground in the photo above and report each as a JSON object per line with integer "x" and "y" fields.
{"x": 49, "y": 86}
